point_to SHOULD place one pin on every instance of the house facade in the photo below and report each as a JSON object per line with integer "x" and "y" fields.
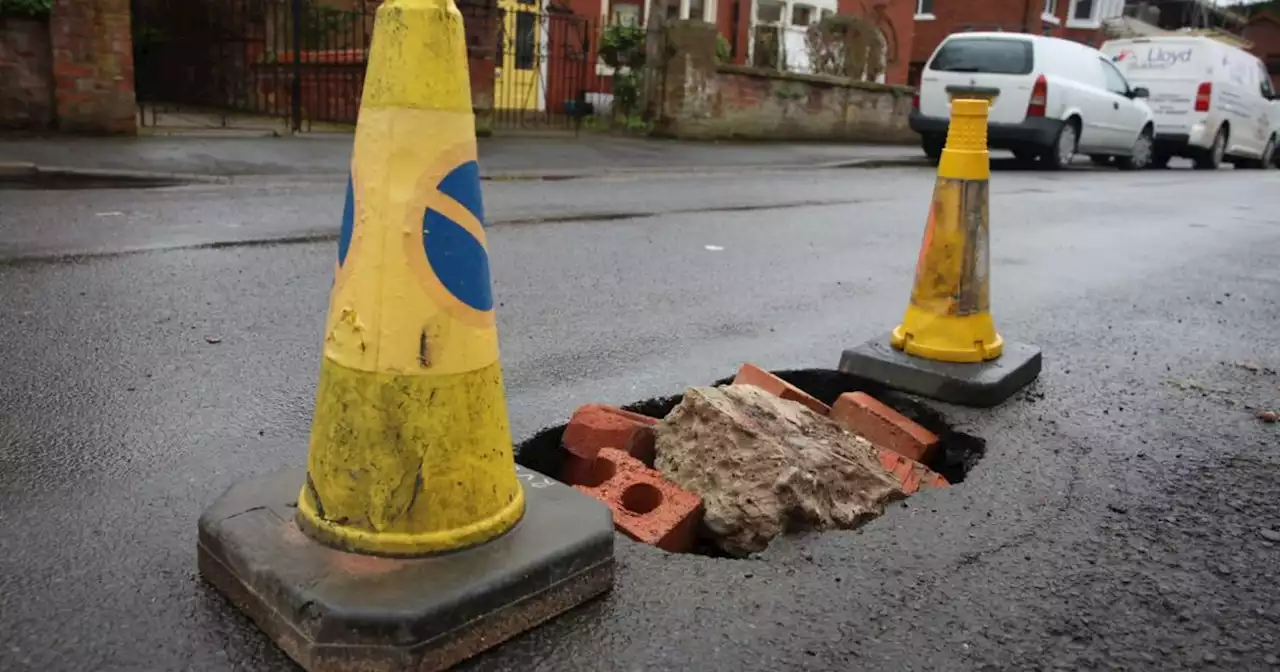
{"x": 766, "y": 33}
{"x": 1090, "y": 22}
{"x": 1079, "y": 20}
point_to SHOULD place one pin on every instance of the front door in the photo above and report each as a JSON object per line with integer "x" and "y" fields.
{"x": 519, "y": 83}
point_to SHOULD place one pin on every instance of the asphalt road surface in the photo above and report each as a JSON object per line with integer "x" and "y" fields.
{"x": 158, "y": 346}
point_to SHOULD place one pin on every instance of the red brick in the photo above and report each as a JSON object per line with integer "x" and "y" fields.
{"x": 646, "y": 507}
{"x": 596, "y": 426}
{"x": 911, "y": 475}
{"x": 884, "y": 427}
{"x": 750, "y": 374}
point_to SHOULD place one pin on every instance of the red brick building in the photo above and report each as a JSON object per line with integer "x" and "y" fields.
{"x": 1263, "y": 31}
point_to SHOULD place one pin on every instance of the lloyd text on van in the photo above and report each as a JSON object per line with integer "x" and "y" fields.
{"x": 1157, "y": 58}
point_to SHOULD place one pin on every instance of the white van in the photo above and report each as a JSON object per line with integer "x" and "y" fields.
{"x": 1212, "y": 101}
{"x": 1053, "y": 98}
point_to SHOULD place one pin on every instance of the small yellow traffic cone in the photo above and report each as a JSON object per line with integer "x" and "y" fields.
{"x": 949, "y": 316}
{"x": 416, "y": 541}
{"x": 947, "y": 346}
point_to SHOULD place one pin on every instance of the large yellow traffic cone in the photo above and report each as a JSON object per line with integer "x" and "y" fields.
{"x": 410, "y": 447}
{"x": 947, "y": 346}
{"x": 416, "y": 541}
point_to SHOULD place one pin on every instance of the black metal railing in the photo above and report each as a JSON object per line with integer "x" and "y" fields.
{"x": 305, "y": 61}
{"x": 288, "y": 58}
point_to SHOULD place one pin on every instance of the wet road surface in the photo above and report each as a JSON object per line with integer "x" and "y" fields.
{"x": 1125, "y": 515}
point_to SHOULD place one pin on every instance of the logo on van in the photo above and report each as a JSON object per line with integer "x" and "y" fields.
{"x": 1157, "y": 58}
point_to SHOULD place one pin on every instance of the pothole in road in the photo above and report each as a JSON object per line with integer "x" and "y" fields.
{"x": 956, "y": 455}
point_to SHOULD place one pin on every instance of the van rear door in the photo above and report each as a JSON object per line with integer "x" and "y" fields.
{"x": 1172, "y": 70}
{"x": 1003, "y": 63}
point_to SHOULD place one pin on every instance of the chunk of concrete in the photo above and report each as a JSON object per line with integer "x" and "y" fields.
{"x": 765, "y": 466}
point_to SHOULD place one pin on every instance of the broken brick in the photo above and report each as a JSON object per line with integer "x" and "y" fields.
{"x": 912, "y": 475}
{"x": 646, "y": 506}
{"x": 750, "y": 374}
{"x": 596, "y": 426}
{"x": 884, "y": 427}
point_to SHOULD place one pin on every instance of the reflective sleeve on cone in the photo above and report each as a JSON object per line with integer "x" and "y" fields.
{"x": 410, "y": 445}
{"x": 949, "y": 318}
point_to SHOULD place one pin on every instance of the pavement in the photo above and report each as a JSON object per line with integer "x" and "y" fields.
{"x": 163, "y": 344}
{"x": 232, "y": 158}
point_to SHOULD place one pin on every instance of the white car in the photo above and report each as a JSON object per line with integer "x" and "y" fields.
{"x": 1053, "y": 98}
{"x": 1212, "y": 102}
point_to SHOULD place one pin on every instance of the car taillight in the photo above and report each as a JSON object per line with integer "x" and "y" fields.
{"x": 1203, "y": 95}
{"x": 1039, "y": 97}
{"x": 915, "y": 100}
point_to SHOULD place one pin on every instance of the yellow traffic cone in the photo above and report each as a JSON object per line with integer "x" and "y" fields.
{"x": 947, "y": 346}
{"x": 949, "y": 318}
{"x": 416, "y": 541}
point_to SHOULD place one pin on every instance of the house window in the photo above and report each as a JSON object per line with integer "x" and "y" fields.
{"x": 1082, "y": 11}
{"x": 1051, "y": 8}
{"x": 625, "y": 14}
{"x": 802, "y": 15}
{"x": 924, "y": 8}
{"x": 768, "y": 11}
{"x": 700, "y": 10}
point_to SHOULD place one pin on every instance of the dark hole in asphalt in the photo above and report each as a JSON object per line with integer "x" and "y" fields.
{"x": 958, "y": 452}
{"x": 55, "y": 181}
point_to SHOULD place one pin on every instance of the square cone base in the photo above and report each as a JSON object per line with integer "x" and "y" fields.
{"x": 980, "y": 385}
{"x": 331, "y": 610}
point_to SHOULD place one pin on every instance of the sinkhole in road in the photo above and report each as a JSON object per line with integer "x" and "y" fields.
{"x": 956, "y": 455}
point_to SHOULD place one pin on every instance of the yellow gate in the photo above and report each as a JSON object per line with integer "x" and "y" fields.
{"x": 520, "y": 81}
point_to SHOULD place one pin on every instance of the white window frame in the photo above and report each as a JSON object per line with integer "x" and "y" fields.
{"x": 708, "y": 10}
{"x": 1050, "y": 12}
{"x": 921, "y": 14}
{"x": 1093, "y": 22}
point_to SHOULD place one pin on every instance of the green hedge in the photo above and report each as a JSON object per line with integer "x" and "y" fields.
{"x": 25, "y": 9}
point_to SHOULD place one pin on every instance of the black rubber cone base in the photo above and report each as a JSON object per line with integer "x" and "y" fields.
{"x": 331, "y": 610}
{"x": 981, "y": 385}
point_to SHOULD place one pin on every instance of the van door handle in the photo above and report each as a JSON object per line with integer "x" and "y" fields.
{"x": 1115, "y": 105}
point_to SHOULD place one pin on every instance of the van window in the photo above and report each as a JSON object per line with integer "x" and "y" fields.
{"x": 1265, "y": 78}
{"x": 1115, "y": 81}
{"x": 985, "y": 55}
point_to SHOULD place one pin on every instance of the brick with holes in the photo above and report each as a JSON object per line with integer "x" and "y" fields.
{"x": 646, "y": 506}
{"x": 884, "y": 427}
{"x": 750, "y": 374}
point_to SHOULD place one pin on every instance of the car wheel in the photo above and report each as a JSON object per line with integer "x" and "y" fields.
{"x": 1140, "y": 154}
{"x": 1059, "y": 155}
{"x": 932, "y": 147}
{"x": 1100, "y": 159}
{"x": 1211, "y": 159}
{"x": 1025, "y": 157}
{"x": 1268, "y": 160}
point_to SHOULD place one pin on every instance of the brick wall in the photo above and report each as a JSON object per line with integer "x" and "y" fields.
{"x": 704, "y": 101}
{"x": 26, "y": 75}
{"x": 1007, "y": 15}
{"x": 93, "y": 66}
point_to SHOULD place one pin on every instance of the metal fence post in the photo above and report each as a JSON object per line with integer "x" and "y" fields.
{"x": 296, "y": 111}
